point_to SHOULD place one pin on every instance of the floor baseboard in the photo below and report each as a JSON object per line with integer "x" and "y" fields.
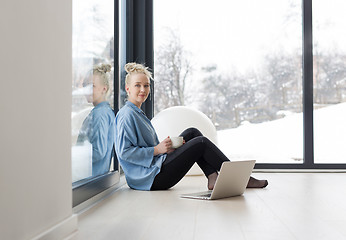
{"x": 66, "y": 229}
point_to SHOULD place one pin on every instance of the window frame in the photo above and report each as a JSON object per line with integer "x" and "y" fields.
{"x": 307, "y": 78}
{"x": 308, "y": 111}
{"x": 87, "y": 188}
{"x": 137, "y": 45}
{"x": 138, "y": 41}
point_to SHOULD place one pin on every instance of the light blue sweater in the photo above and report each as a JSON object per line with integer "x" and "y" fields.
{"x": 98, "y": 128}
{"x": 135, "y": 139}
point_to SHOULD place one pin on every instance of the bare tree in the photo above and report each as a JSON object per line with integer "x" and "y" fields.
{"x": 229, "y": 98}
{"x": 233, "y": 98}
{"x": 329, "y": 77}
{"x": 172, "y": 69}
{"x": 283, "y": 77}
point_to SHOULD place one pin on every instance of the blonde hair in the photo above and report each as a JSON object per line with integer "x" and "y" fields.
{"x": 133, "y": 68}
{"x": 103, "y": 71}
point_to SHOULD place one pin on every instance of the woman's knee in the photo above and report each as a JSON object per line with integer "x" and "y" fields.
{"x": 201, "y": 140}
{"x": 192, "y": 132}
{"x": 196, "y": 131}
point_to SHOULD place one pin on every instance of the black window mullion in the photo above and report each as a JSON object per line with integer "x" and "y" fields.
{"x": 116, "y": 56}
{"x": 116, "y": 84}
{"x": 139, "y": 40}
{"x": 308, "y": 84}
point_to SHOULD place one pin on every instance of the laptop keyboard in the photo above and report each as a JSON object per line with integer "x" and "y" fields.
{"x": 205, "y": 195}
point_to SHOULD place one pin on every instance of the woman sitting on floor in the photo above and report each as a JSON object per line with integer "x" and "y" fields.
{"x": 149, "y": 164}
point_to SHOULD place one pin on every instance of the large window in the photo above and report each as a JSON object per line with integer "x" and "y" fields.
{"x": 93, "y": 45}
{"x": 329, "y": 28}
{"x": 269, "y": 74}
{"x": 240, "y": 63}
{"x": 115, "y": 32}
{"x": 94, "y": 97}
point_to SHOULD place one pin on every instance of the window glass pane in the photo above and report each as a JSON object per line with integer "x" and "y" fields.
{"x": 239, "y": 62}
{"x": 329, "y": 29}
{"x": 92, "y": 95}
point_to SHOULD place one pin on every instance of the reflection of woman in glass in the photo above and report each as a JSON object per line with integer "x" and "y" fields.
{"x": 149, "y": 164}
{"x": 98, "y": 126}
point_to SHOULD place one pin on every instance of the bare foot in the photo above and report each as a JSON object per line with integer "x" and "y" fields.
{"x": 211, "y": 180}
{"x": 255, "y": 183}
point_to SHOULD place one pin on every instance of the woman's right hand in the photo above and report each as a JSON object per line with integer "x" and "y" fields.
{"x": 163, "y": 147}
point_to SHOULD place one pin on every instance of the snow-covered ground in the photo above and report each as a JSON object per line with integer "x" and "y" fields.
{"x": 281, "y": 141}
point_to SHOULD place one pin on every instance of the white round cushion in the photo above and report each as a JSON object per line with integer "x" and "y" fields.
{"x": 174, "y": 120}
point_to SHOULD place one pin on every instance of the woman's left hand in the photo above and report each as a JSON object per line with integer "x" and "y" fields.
{"x": 173, "y": 149}
{"x": 163, "y": 147}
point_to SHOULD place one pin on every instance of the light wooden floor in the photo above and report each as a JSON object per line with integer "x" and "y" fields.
{"x": 293, "y": 206}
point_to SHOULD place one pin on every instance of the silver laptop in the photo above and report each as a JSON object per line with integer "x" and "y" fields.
{"x": 232, "y": 181}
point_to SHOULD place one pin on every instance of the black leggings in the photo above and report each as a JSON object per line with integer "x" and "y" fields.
{"x": 197, "y": 149}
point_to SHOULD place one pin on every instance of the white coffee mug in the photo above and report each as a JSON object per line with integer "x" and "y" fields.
{"x": 176, "y": 141}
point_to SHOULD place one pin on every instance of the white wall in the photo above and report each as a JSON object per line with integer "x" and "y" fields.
{"x": 35, "y": 108}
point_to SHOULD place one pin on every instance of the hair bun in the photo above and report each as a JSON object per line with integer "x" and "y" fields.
{"x": 104, "y": 68}
{"x": 131, "y": 67}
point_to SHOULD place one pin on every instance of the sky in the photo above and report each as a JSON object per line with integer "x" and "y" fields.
{"x": 224, "y": 33}
{"x": 240, "y": 33}
{"x": 90, "y": 38}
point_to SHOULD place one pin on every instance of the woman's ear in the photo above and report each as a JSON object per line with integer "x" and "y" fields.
{"x": 105, "y": 89}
